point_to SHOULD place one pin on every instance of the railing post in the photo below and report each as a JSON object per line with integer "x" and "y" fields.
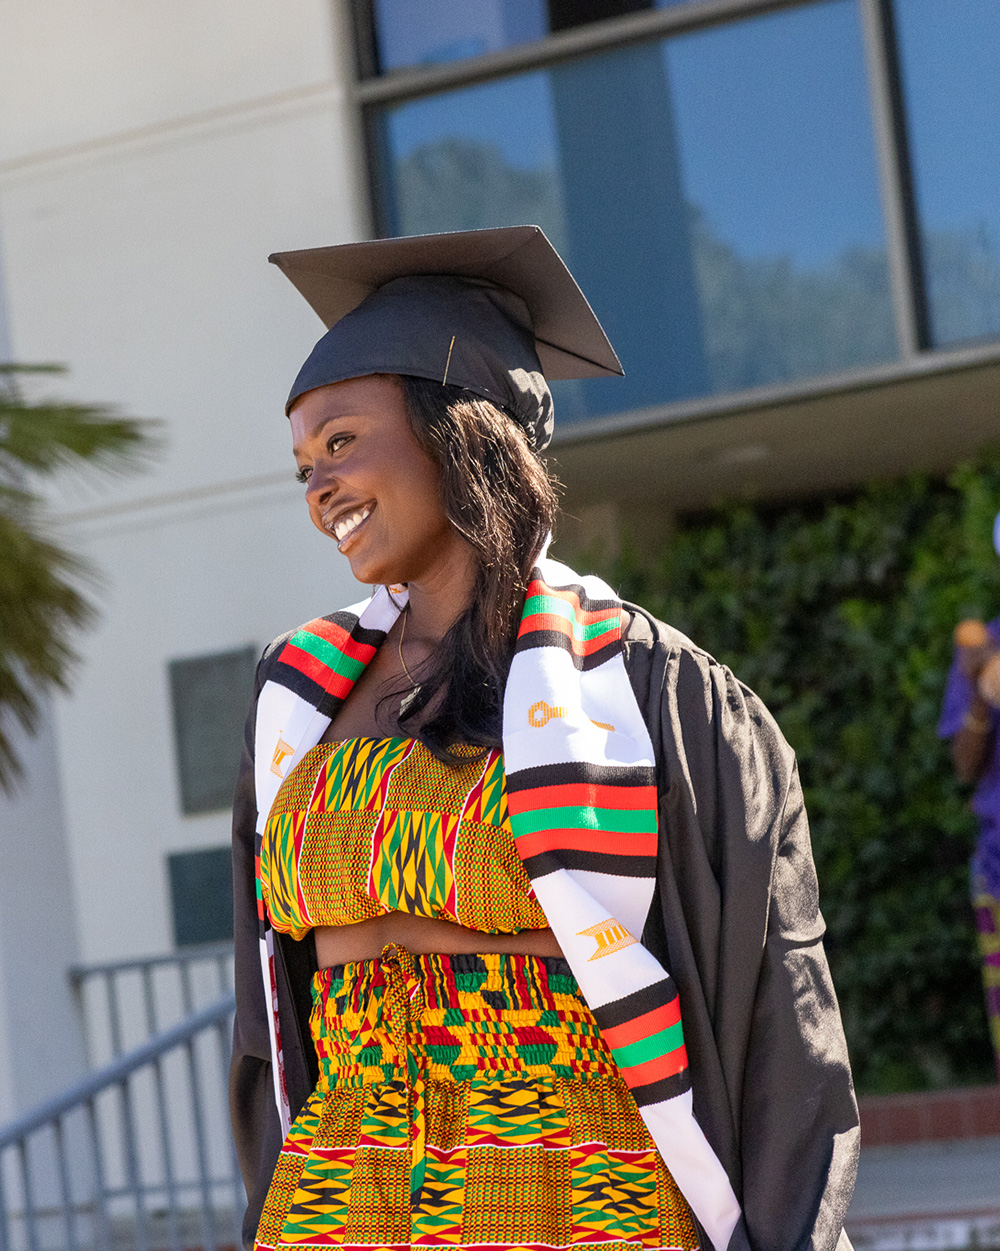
{"x": 114, "y": 1016}
{"x": 102, "y": 1238}
{"x": 65, "y": 1188}
{"x": 132, "y": 1166}
{"x": 225, "y": 1033}
{"x": 30, "y": 1225}
{"x": 173, "y": 1204}
{"x": 4, "y": 1221}
{"x": 208, "y": 1214}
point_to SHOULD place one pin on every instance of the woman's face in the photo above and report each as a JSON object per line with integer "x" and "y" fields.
{"x": 369, "y": 483}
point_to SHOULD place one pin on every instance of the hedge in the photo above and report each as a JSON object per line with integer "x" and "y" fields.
{"x": 839, "y": 614}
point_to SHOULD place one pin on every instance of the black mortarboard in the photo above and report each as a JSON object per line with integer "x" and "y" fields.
{"x": 494, "y": 311}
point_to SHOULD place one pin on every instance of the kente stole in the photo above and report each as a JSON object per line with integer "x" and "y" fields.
{"x": 581, "y": 793}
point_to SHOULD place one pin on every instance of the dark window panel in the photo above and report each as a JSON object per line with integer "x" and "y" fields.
{"x": 565, "y": 14}
{"x": 210, "y": 697}
{"x": 201, "y": 894}
{"x": 427, "y": 32}
{"x": 715, "y": 193}
{"x": 950, "y": 67}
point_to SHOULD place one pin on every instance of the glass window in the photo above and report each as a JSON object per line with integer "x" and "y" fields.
{"x": 426, "y": 32}
{"x": 715, "y": 194}
{"x": 950, "y": 61}
{"x": 201, "y": 893}
{"x": 210, "y": 697}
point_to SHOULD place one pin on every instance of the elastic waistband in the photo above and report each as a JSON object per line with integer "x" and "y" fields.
{"x": 504, "y": 981}
{"x": 454, "y": 1018}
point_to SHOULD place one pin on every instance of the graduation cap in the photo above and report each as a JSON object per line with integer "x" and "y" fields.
{"x": 494, "y": 311}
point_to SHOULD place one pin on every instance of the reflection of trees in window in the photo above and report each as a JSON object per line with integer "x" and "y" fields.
{"x": 464, "y": 184}
{"x": 766, "y": 321}
{"x": 963, "y": 279}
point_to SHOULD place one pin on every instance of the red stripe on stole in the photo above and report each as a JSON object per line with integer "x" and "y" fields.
{"x": 611, "y": 842}
{"x": 585, "y": 616}
{"x": 340, "y": 638}
{"x": 643, "y": 1026}
{"x": 559, "y": 625}
{"x": 582, "y": 795}
{"x": 675, "y": 1061}
{"x": 333, "y": 683}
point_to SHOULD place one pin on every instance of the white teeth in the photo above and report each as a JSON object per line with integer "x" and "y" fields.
{"x": 348, "y": 524}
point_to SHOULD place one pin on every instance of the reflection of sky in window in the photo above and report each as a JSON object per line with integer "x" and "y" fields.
{"x": 950, "y": 58}
{"x": 775, "y": 135}
{"x": 951, "y": 75}
{"x": 512, "y": 114}
{"x": 415, "y": 32}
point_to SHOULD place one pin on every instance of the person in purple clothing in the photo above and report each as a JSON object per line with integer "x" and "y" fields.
{"x": 970, "y": 719}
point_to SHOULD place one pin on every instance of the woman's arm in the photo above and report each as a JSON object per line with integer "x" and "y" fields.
{"x": 970, "y": 747}
{"x": 966, "y": 718}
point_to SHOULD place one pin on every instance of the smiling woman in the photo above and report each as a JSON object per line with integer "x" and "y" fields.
{"x": 504, "y": 832}
{"x": 371, "y": 485}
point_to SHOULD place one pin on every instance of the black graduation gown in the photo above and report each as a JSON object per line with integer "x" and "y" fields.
{"x": 735, "y": 920}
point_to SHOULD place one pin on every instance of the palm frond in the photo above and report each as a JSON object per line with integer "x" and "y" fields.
{"x": 42, "y": 601}
{"x": 46, "y": 435}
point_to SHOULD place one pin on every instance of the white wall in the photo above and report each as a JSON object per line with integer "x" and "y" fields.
{"x": 41, "y": 1043}
{"x": 151, "y": 156}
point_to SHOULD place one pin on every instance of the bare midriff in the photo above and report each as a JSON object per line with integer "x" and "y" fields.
{"x": 344, "y": 944}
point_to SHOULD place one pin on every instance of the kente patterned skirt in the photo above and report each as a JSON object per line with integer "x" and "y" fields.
{"x": 987, "y": 908}
{"x": 467, "y": 1102}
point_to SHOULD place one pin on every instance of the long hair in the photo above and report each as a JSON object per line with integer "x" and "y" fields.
{"x": 499, "y": 497}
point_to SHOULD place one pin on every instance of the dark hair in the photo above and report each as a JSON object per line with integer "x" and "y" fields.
{"x": 499, "y": 497}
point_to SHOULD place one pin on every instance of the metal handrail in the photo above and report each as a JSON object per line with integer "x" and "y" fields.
{"x": 135, "y": 1155}
{"x": 77, "y": 973}
{"x": 122, "y": 1003}
{"x": 117, "y": 1071}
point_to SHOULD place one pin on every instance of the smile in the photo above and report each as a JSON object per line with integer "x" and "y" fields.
{"x": 345, "y": 527}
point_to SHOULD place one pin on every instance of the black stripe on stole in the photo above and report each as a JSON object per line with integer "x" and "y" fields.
{"x": 296, "y": 681}
{"x": 555, "y": 638}
{"x": 593, "y": 861}
{"x": 573, "y": 588}
{"x": 579, "y": 772}
{"x": 665, "y": 1088}
{"x": 293, "y": 679}
{"x": 637, "y": 1004}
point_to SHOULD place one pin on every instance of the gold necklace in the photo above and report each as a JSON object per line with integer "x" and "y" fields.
{"x": 402, "y": 633}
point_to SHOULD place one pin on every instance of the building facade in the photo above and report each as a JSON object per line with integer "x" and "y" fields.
{"x": 787, "y": 216}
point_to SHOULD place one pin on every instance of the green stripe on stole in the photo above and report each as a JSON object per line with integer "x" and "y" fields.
{"x": 549, "y": 605}
{"x": 614, "y": 820}
{"x": 328, "y": 654}
{"x": 658, "y": 1044}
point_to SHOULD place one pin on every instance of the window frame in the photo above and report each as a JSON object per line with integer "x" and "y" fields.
{"x": 372, "y": 92}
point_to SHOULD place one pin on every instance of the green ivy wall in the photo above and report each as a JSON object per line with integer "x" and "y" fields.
{"x": 839, "y": 614}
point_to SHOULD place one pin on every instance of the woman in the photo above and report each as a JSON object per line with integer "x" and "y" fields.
{"x": 473, "y": 796}
{"x": 970, "y": 715}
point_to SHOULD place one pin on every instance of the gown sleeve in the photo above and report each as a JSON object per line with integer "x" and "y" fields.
{"x": 253, "y": 1113}
{"x": 739, "y": 923}
{"x": 252, "y": 1108}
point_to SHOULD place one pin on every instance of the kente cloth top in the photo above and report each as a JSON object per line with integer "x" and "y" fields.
{"x": 375, "y": 825}
{"x": 958, "y": 698}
